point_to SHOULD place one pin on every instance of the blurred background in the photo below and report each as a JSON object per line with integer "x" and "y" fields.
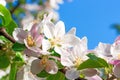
{"x": 98, "y": 20}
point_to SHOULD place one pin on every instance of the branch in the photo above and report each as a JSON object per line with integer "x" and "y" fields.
{"x": 6, "y": 35}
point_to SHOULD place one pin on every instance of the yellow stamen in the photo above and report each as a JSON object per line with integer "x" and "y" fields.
{"x": 55, "y": 42}
{"x": 44, "y": 60}
{"x": 30, "y": 41}
{"x": 77, "y": 62}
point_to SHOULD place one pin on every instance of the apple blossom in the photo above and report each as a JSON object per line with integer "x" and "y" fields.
{"x": 31, "y": 38}
{"x": 44, "y": 64}
{"x": 57, "y": 38}
{"x": 74, "y": 57}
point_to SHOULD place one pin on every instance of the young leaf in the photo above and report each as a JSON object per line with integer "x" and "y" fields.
{"x": 4, "y": 61}
{"x": 10, "y": 27}
{"x": 58, "y": 76}
{"x": 5, "y": 15}
{"x": 18, "y": 47}
{"x": 93, "y": 62}
{"x": 18, "y": 57}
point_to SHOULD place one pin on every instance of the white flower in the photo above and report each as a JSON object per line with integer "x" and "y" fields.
{"x": 24, "y": 72}
{"x": 57, "y": 38}
{"x": 75, "y": 56}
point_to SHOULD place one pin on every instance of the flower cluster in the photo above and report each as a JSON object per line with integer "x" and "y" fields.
{"x": 42, "y": 50}
{"x": 49, "y": 44}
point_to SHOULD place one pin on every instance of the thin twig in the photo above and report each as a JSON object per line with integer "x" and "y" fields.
{"x": 6, "y": 35}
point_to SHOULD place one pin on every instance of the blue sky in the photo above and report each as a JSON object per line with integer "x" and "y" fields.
{"x": 92, "y": 18}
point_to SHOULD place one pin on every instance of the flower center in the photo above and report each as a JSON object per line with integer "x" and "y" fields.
{"x": 55, "y": 42}
{"x": 77, "y": 62}
{"x": 44, "y": 60}
{"x": 30, "y": 41}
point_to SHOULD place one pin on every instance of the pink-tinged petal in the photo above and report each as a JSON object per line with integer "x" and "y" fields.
{"x": 72, "y": 74}
{"x": 96, "y": 77}
{"x": 34, "y": 31}
{"x": 114, "y": 62}
{"x": 59, "y": 29}
{"x": 51, "y": 67}
{"x": 36, "y": 66}
{"x": 72, "y": 31}
{"x": 116, "y": 70}
{"x": 45, "y": 45}
{"x": 49, "y": 30}
{"x": 19, "y": 35}
{"x": 70, "y": 40}
{"x": 89, "y": 72}
{"x": 29, "y": 52}
{"x": 38, "y": 40}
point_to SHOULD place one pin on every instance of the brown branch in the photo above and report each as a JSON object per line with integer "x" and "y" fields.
{"x": 6, "y": 35}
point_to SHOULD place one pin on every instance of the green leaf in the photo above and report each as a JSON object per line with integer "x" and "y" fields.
{"x": 13, "y": 71}
{"x": 4, "y": 61}
{"x": 43, "y": 74}
{"x": 10, "y": 27}
{"x": 3, "y": 38}
{"x": 93, "y": 62}
{"x": 5, "y": 15}
{"x": 18, "y": 57}
{"x": 58, "y": 76}
{"x": 18, "y": 47}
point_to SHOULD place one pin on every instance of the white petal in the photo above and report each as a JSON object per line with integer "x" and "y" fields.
{"x": 72, "y": 31}
{"x": 89, "y": 72}
{"x": 66, "y": 61}
{"x": 70, "y": 40}
{"x": 28, "y": 27}
{"x": 115, "y": 51}
{"x": 103, "y": 50}
{"x": 54, "y": 4}
{"x": 59, "y": 29}
{"x": 51, "y": 67}
{"x": 49, "y": 30}
{"x": 19, "y": 35}
{"x": 72, "y": 74}
{"x": 45, "y": 45}
{"x": 36, "y": 66}
{"x": 116, "y": 70}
